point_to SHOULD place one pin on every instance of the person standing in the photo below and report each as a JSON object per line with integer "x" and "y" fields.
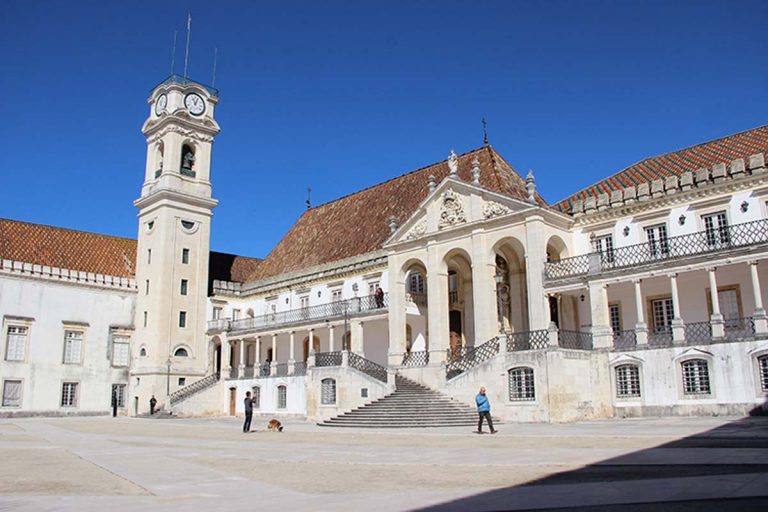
{"x": 483, "y": 411}
{"x": 152, "y": 404}
{"x": 378, "y": 295}
{"x": 248, "y": 406}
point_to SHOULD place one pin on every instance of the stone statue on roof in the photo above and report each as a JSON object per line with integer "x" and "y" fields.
{"x": 453, "y": 164}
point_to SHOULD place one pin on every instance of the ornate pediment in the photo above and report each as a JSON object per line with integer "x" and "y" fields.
{"x": 451, "y": 209}
{"x": 418, "y": 230}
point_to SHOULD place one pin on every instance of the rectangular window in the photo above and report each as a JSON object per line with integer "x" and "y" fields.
{"x": 146, "y": 287}
{"x": 614, "y": 311}
{"x": 521, "y": 384}
{"x": 304, "y": 301}
{"x": 73, "y": 347}
{"x": 604, "y": 246}
{"x": 182, "y": 318}
{"x": 12, "y": 393}
{"x": 282, "y": 397}
{"x": 336, "y": 295}
{"x": 696, "y": 377}
{"x": 627, "y": 381}
{"x": 118, "y": 394}
{"x": 235, "y": 314}
{"x": 372, "y": 287}
{"x": 662, "y": 313}
{"x": 149, "y": 256}
{"x": 716, "y": 227}
{"x": 182, "y": 381}
{"x": 184, "y": 284}
{"x": 16, "y": 343}
{"x": 216, "y": 313}
{"x": 120, "y": 350}
{"x": 145, "y": 319}
{"x": 69, "y": 394}
{"x": 185, "y": 256}
{"x": 416, "y": 283}
{"x": 658, "y": 243}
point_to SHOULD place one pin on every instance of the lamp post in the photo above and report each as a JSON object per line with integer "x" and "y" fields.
{"x": 499, "y": 278}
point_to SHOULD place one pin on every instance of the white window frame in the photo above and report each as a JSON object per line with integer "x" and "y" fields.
{"x": 256, "y": 396}
{"x": 14, "y": 323}
{"x": 658, "y": 245}
{"x": 715, "y": 226}
{"x": 632, "y": 383}
{"x": 217, "y": 312}
{"x": 282, "y": 396}
{"x": 69, "y": 338}
{"x": 125, "y": 350}
{"x": 603, "y": 244}
{"x": 75, "y": 395}
{"x": 328, "y": 391}
{"x": 521, "y": 384}
{"x": 681, "y": 365}
{"x": 21, "y": 393}
{"x": 122, "y": 388}
{"x": 617, "y": 326}
{"x": 668, "y": 313}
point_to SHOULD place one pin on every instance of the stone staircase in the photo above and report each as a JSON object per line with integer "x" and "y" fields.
{"x": 411, "y": 405}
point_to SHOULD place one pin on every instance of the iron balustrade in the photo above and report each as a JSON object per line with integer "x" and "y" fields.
{"x": 333, "y": 310}
{"x": 624, "y": 339}
{"x": 300, "y": 368}
{"x": 197, "y": 386}
{"x": 264, "y": 369}
{"x": 328, "y": 358}
{"x": 575, "y": 339}
{"x": 281, "y": 370}
{"x": 693, "y": 244}
{"x": 696, "y": 332}
{"x": 218, "y": 325}
{"x": 739, "y": 328}
{"x": 464, "y": 358}
{"x": 368, "y": 367}
{"x": 420, "y": 299}
{"x": 527, "y": 340}
{"x": 418, "y": 358}
{"x": 660, "y": 337}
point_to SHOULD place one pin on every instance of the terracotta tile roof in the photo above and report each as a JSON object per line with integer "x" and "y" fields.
{"x": 707, "y": 154}
{"x": 357, "y": 224}
{"x": 90, "y": 252}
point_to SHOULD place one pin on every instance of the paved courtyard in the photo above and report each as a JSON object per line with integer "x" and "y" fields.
{"x": 208, "y": 464}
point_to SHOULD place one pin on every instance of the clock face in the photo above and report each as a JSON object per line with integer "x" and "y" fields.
{"x": 194, "y": 104}
{"x": 160, "y": 104}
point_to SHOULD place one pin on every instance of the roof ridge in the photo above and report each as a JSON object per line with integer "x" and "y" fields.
{"x": 661, "y": 155}
{"x": 466, "y": 153}
{"x": 49, "y": 226}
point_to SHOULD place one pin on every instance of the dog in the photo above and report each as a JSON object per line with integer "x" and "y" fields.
{"x": 274, "y": 425}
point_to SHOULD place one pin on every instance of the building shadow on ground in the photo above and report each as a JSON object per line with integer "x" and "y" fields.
{"x": 716, "y": 470}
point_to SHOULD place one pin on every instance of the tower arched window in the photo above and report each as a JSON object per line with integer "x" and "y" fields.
{"x": 159, "y": 156}
{"x": 188, "y": 160}
{"x": 181, "y": 352}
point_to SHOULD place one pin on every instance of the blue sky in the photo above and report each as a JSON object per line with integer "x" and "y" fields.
{"x": 338, "y": 96}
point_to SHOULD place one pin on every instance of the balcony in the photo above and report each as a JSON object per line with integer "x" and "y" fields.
{"x": 360, "y": 306}
{"x": 709, "y": 242}
{"x": 735, "y": 329}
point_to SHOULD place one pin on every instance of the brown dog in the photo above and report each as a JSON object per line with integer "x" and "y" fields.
{"x": 275, "y": 425}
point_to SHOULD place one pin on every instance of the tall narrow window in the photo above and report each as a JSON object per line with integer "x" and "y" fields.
{"x": 716, "y": 227}
{"x": 184, "y": 284}
{"x": 663, "y": 312}
{"x": 12, "y": 393}
{"x": 16, "y": 343}
{"x": 521, "y": 385}
{"x": 185, "y": 256}
{"x": 146, "y": 287}
{"x": 118, "y": 393}
{"x": 604, "y": 246}
{"x": 658, "y": 243}
{"x": 149, "y": 256}
{"x": 145, "y": 319}
{"x": 416, "y": 282}
{"x": 614, "y": 311}
{"x": 69, "y": 394}
{"x": 282, "y": 397}
{"x": 627, "y": 381}
{"x": 304, "y": 301}
{"x": 328, "y": 391}
{"x": 120, "y": 350}
{"x": 453, "y": 287}
{"x": 762, "y": 364}
{"x": 256, "y": 396}
{"x": 235, "y": 314}
{"x": 182, "y": 318}
{"x": 696, "y": 377}
{"x": 216, "y": 313}
{"x": 73, "y": 345}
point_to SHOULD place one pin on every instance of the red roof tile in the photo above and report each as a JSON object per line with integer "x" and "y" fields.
{"x": 357, "y": 224}
{"x": 707, "y": 154}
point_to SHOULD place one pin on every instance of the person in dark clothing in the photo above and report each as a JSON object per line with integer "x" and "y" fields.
{"x": 248, "y": 406}
{"x": 152, "y": 404}
{"x": 483, "y": 411}
{"x": 378, "y": 295}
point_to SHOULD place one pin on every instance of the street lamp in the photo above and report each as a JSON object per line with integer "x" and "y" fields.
{"x": 499, "y": 278}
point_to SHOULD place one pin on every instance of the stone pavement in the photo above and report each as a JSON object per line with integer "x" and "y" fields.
{"x": 120, "y": 464}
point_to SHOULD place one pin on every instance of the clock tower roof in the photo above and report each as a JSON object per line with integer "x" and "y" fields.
{"x": 184, "y": 81}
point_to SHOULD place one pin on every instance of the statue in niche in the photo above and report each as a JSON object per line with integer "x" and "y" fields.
{"x": 188, "y": 160}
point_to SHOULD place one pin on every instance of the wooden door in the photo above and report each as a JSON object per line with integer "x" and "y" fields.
{"x": 232, "y": 401}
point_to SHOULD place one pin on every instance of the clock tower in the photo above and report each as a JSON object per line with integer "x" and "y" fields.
{"x": 175, "y": 209}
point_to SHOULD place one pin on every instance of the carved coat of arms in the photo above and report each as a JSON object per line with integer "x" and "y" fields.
{"x": 452, "y": 210}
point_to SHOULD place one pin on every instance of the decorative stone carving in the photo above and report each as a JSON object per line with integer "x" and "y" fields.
{"x": 392, "y": 222}
{"x": 602, "y": 201}
{"x": 590, "y": 204}
{"x": 431, "y": 183}
{"x": 475, "y": 171}
{"x": 453, "y": 164}
{"x": 578, "y": 206}
{"x": 530, "y": 186}
{"x": 493, "y": 209}
{"x": 452, "y": 210}
{"x": 418, "y": 230}
{"x": 183, "y": 131}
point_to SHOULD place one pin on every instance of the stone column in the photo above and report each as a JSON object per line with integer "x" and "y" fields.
{"x": 641, "y": 328}
{"x": 759, "y": 316}
{"x": 716, "y": 320}
{"x": 226, "y": 360}
{"x": 273, "y": 364}
{"x": 331, "y": 344}
{"x": 257, "y": 359}
{"x": 358, "y": 343}
{"x": 678, "y": 327}
{"x": 397, "y": 317}
{"x": 535, "y": 256}
{"x": 483, "y": 290}
{"x": 311, "y": 347}
{"x": 291, "y": 359}
{"x": 241, "y": 365}
{"x": 437, "y": 305}
{"x": 602, "y": 336}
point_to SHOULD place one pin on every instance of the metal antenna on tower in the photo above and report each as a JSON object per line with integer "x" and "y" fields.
{"x": 215, "y": 59}
{"x": 186, "y": 53}
{"x": 485, "y": 132}
{"x": 173, "y": 53}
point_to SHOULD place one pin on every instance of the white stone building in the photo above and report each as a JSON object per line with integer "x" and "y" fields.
{"x": 641, "y": 295}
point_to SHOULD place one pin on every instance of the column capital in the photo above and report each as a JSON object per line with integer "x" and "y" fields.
{"x": 637, "y": 281}
{"x": 711, "y": 269}
{"x": 752, "y": 262}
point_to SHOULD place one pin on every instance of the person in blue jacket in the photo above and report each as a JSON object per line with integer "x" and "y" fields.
{"x": 484, "y": 411}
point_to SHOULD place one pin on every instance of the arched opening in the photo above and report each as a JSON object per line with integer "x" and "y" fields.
{"x": 416, "y": 311}
{"x": 142, "y": 352}
{"x": 181, "y": 352}
{"x": 315, "y": 346}
{"x": 215, "y": 354}
{"x": 461, "y": 332}
{"x": 346, "y": 341}
{"x": 159, "y": 158}
{"x": 510, "y": 286}
{"x": 556, "y": 249}
{"x": 187, "y": 160}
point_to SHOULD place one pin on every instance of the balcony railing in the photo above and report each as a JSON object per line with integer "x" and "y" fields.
{"x": 624, "y": 339}
{"x": 328, "y": 358}
{"x": 528, "y": 340}
{"x": 333, "y": 310}
{"x": 660, "y": 337}
{"x": 696, "y": 332}
{"x": 701, "y": 242}
{"x": 462, "y": 359}
{"x": 368, "y": 367}
{"x": 739, "y": 328}
{"x": 419, "y": 358}
{"x": 577, "y": 340}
